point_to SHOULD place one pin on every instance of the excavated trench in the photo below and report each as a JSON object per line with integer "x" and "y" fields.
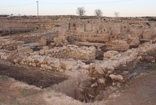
{"x": 72, "y": 89}
{"x": 31, "y": 76}
{"x": 58, "y": 82}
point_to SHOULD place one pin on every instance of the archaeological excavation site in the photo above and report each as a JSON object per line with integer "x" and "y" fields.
{"x": 85, "y": 58}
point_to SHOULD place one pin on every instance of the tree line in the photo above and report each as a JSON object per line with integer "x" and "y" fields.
{"x": 81, "y": 12}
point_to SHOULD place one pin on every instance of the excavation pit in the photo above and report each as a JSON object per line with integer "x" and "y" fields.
{"x": 60, "y": 83}
{"x": 72, "y": 89}
{"x": 31, "y": 76}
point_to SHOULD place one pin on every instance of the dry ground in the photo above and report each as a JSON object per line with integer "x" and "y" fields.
{"x": 139, "y": 91}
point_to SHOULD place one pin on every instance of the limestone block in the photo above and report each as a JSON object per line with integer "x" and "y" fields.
{"x": 154, "y": 32}
{"x": 148, "y": 58}
{"x": 80, "y": 27}
{"x": 101, "y": 81}
{"x": 72, "y": 26}
{"x": 60, "y": 41}
{"x": 115, "y": 29}
{"x": 67, "y": 65}
{"x": 115, "y": 63}
{"x": 94, "y": 85}
{"x": 44, "y": 41}
{"x": 99, "y": 69}
{"x": 116, "y": 77}
{"x": 42, "y": 52}
{"x": 110, "y": 68}
{"x": 133, "y": 41}
{"x": 24, "y": 49}
{"x": 117, "y": 45}
{"x": 88, "y": 27}
{"x": 109, "y": 54}
{"x": 153, "y": 41}
{"x": 86, "y": 67}
{"x": 105, "y": 29}
{"x": 124, "y": 28}
{"x": 147, "y": 34}
{"x": 52, "y": 44}
{"x": 136, "y": 30}
{"x": 45, "y": 48}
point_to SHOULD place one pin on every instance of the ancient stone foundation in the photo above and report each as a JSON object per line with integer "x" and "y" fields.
{"x": 94, "y": 52}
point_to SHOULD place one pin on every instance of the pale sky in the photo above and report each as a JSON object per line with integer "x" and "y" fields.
{"x": 69, "y": 7}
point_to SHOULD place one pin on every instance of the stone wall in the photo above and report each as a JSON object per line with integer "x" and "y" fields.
{"x": 90, "y": 37}
{"x": 97, "y": 29}
{"x": 8, "y": 44}
{"x": 86, "y": 28}
{"x": 66, "y": 66}
{"x": 112, "y": 33}
{"x": 70, "y": 51}
{"x": 106, "y": 75}
{"x": 119, "y": 45}
{"x": 35, "y": 37}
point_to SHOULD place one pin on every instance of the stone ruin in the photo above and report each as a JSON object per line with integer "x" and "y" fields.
{"x": 91, "y": 51}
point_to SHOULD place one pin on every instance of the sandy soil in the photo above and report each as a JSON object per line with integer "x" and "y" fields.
{"x": 139, "y": 91}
